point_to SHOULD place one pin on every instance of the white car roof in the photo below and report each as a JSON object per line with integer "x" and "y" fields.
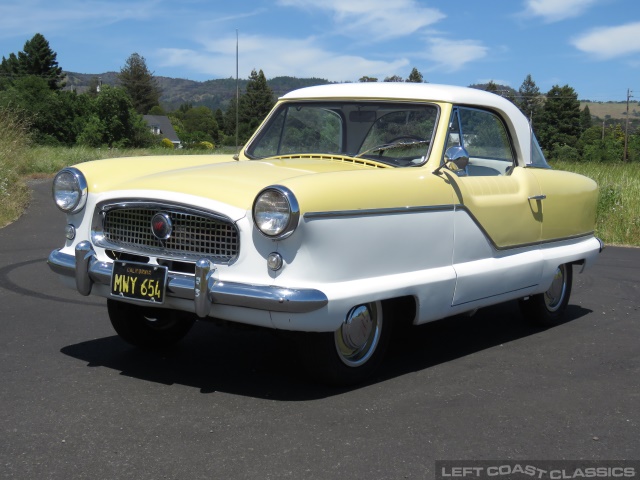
{"x": 400, "y": 91}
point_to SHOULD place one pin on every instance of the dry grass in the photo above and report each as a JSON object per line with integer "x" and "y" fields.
{"x": 14, "y": 143}
{"x": 616, "y": 110}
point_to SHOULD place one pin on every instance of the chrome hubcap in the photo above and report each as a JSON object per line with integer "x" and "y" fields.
{"x": 555, "y": 295}
{"x": 357, "y": 338}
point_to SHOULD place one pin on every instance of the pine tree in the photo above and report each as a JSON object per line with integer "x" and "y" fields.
{"x": 36, "y": 59}
{"x": 140, "y": 84}
{"x": 559, "y": 121}
{"x": 585, "y": 119}
{"x": 491, "y": 87}
{"x": 255, "y": 104}
{"x": 415, "y": 76}
{"x": 530, "y": 101}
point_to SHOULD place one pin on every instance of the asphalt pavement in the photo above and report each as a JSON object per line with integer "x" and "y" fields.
{"x": 77, "y": 402}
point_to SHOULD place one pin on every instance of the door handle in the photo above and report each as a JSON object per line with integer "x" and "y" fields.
{"x": 538, "y": 197}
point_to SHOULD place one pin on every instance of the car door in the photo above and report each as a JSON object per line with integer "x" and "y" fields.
{"x": 498, "y": 219}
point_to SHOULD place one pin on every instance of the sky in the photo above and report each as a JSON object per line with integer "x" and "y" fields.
{"x": 590, "y": 45}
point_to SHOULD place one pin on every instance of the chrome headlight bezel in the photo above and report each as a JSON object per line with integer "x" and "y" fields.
{"x": 69, "y": 190}
{"x": 276, "y": 212}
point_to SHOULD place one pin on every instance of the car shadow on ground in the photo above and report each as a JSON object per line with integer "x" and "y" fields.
{"x": 257, "y": 363}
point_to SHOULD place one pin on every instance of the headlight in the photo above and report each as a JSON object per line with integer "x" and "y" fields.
{"x": 276, "y": 212}
{"x": 70, "y": 190}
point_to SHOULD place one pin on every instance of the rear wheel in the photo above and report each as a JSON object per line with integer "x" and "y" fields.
{"x": 353, "y": 352}
{"x": 548, "y": 308}
{"x": 148, "y": 327}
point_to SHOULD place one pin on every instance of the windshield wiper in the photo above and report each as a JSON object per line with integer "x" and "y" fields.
{"x": 390, "y": 146}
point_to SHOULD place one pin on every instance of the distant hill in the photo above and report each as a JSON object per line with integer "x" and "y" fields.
{"x": 218, "y": 93}
{"x": 211, "y": 93}
{"x": 614, "y": 110}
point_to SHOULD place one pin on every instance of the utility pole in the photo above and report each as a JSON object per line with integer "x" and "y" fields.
{"x": 626, "y": 128}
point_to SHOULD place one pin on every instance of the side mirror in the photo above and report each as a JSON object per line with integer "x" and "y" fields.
{"x": 456, "y": 159}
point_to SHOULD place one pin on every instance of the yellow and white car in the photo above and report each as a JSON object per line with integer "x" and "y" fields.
{"x": 351, "y": 206}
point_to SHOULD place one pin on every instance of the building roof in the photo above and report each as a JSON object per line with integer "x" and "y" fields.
{"x": 164, "y": 124}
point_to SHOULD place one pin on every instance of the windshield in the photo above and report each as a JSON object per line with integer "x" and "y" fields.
{"x": 398, "y": 134}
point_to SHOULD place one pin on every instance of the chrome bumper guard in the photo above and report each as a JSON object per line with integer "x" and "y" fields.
{"x": 203, "y": 289}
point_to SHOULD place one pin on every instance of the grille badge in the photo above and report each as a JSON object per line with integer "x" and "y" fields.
{"x": 161, "y": 226}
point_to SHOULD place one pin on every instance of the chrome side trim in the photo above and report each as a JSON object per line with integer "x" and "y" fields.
{"x": 378, "y": 211}
{"x": 89, "y": 270}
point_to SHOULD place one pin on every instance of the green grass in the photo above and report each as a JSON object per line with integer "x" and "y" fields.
{"x": 618, "y": 215}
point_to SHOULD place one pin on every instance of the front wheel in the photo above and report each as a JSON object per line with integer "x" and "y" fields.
{"x": 353, "y": 352}
{"x": 154, "y": 328}
{"x": 548, "y": 308}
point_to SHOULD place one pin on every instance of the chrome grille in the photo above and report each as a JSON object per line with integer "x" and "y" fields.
{"x": 195, "y": 234}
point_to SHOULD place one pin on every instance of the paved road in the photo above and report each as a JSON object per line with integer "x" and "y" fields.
{"x": 79, "y": 403}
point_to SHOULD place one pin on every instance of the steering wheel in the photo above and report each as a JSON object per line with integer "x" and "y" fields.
{"x": 413, "y": 138}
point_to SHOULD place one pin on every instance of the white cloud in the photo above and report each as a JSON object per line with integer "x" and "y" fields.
{"x": 610, "y": 42}
{"x": 299, "y": 58}
{"x": 452, "y": 55}
{"x": 373, "y": 20}
{"x": 38, "y": 16}
{"x": 556, "y": 10}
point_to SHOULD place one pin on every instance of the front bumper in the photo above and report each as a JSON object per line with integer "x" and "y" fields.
{"x": 202, "y": 288}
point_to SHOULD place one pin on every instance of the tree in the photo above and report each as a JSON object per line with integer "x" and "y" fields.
{"x": 113, "y": 122}
{"x": 255, "y": 104}
{"x": 200, "y": 120}
{"x": 491, "y": 87}
{"x": 529, "y": 101}
{"x": 9, "y": 68}
{"x": 585, "y": 118}
{"x": 559, "y": 122}
{"x": 366, "y": 79}
{"x": 140, "y": 84}
{"x": 36, "y": 59}
{"x": 52, "y": 116}
{"x": 394, "y": 78}
{"x": 415, "y": 76}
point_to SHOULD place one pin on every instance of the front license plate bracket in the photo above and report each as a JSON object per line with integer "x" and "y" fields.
{"x": 139, "y": 281}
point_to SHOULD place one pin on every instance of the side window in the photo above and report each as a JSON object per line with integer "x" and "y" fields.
{"x": 485, "y": 137}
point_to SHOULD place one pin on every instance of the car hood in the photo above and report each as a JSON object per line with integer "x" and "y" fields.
{"x": 223, "y": 179}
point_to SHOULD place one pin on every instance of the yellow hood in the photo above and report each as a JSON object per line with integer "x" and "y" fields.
{"x": 221, "y": 178}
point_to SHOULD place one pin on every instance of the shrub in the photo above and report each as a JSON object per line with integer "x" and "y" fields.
{"x": 166, "y": 143}
{"x": 204, "y": 146}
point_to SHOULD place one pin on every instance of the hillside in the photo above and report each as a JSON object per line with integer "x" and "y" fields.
{"x": 613, "y": 110}
{"x": 211, "y": 93}
{"x": 218, "y": 93}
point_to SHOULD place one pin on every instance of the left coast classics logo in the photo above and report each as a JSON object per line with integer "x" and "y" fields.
{"x": 161, "y": 226}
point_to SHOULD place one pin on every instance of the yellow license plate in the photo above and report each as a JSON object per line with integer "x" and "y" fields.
{"x": 139, "y": 281}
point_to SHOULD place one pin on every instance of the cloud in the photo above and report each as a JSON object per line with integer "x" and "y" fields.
{"x": 556, "y": 10}
{"x": 38, "y": 16}
{"x": 374, "y": 20}
{"x": 452, "y": 55}
{"x": 610, "y": 42}
{"x": 296, "y": 57}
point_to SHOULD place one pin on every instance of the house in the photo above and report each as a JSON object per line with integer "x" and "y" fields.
{"x": 161, "y": 125}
